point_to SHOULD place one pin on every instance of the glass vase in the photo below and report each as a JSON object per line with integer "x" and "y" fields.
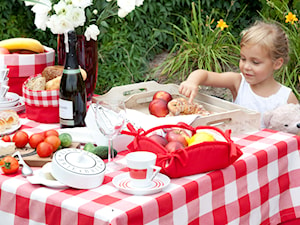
{"x": 87, "y": 55}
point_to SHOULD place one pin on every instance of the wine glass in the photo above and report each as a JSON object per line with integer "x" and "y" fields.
{"x": 110, "y": 118}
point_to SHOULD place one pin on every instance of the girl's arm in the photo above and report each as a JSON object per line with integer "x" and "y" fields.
{"x": 190, "y": 86}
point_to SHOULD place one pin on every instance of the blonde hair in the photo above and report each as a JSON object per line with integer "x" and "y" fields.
{"x": 269, "y": 36}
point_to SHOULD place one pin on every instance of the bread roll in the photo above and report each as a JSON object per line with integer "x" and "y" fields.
{"x": 36, "y": 83}
{"x": 8, "y": 118}
{"x": 53, "y": 84}
{"x": 51, "y": 72}
{"x": 3, "y": 125}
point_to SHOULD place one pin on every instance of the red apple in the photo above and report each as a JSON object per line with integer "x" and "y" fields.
{"x": 158, "y": 107}
{"x": 159, "y": 139}
{"x": 163, "y": 95}
{"x": 179, "y": 135}
{"x": 4, "y": 51}
{"x": 174, "y": 145}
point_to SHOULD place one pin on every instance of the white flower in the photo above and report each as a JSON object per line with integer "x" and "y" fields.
{"x": 92, "y": 32}
{"x": 60, "y": 8}
{"x": 122, "y": 13}
{"x": 43, "y": 7}
{"x": 59, "y": 24}
{"x": 69, "y": 14}
{"x": 95, "y": 11}
{"x": 40, "y": 20}
{"x": 29, "y": 3}
{"x": 126, "y": 5}
{"x": 82, "y": 3}
{"x": 139, "y": 2}
{"x": 75, "y": 15}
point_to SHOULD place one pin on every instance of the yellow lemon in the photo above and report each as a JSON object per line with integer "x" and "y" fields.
{"x": 200, "y": 137}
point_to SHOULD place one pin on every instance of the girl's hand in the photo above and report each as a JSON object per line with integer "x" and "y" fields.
{"x": 189, "y": 89}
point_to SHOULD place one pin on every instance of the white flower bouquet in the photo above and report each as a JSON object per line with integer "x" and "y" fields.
{"x": 60, "y": 16}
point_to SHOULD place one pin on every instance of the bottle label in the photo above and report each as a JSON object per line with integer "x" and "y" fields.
{"x": 71, "y": 71}
{"x": 65, "y": 109}
{"x": 70, "y": 123}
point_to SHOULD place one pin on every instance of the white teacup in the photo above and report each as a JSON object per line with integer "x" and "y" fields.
{"x": 3, "y": 74}
{"x": 3, "y": 91}
{"x": 4, "y": 82}
{"x": 142, "y": 168}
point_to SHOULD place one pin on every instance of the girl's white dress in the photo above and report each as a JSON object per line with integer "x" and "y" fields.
{"x": 248, "y": 99}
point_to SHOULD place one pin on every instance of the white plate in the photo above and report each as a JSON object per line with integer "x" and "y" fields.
{"x": 11, "y": 130}
{"x": 124, "y": 184}
{"x": 40, "y": 177}
{"x": 20, "y": 106}
{"x": 11, "y": 99}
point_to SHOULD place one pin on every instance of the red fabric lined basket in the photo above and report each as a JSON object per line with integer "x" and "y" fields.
{"x": 198, "y": 158}
{"x": 41, "y": 106}
{"x": 21, "y": 66}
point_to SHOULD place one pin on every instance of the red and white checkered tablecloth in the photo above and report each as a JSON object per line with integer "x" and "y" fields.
{"x": 262, "y": 187}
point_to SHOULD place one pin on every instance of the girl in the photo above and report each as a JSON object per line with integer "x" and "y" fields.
{"x": 264, "y": 49}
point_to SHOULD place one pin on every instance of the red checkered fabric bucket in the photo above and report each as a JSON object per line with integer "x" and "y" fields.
{"x": 41, "y": 106}
{"x": 21, "y": 66}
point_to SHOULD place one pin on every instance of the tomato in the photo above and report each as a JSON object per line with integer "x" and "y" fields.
{"x": 35, "y": 139}
{"x": 54, "y": 141}
{"x": 51, "y": 133}
{"x": 20, "y": 138}
{"x": 44, "y": 149}
{"x": 6, "y": 138}
{"x": 9, "y": 165}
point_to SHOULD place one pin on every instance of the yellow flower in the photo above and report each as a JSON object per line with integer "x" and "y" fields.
{"x": 291, "y": 18}
{"x": 222, "y": 24}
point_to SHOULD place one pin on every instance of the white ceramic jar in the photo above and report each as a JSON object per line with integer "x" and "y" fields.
{"x": 78, "y": 168}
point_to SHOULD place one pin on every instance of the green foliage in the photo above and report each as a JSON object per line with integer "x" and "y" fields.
{"x": 199, "y": 44}
{"x": 129, "y": 43}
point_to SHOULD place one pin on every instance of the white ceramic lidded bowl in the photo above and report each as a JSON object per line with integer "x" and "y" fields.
{"x": 78, "y": 168}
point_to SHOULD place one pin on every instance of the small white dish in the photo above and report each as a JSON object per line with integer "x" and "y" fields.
{"x": 43, "y": 176}
{"x": 124, "y": 184}
{"x": 11, "y": 99}
{"x": 11, "y": 130}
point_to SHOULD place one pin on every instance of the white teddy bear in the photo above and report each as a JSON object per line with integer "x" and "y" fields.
{"x": 284, "y": 118}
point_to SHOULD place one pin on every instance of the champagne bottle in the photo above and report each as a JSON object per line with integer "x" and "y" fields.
{"x": 72, "y": 92}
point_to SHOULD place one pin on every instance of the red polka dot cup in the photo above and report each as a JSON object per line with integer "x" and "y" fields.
{"x": 142, "y": 168}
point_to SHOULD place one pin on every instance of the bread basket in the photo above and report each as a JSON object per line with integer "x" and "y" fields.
{"x": 41, "y": 106}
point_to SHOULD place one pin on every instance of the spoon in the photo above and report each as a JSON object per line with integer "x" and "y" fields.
{"x": 26, "y": 170}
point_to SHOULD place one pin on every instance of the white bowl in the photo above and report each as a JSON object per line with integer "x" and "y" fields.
{"x": 78, "y": 168}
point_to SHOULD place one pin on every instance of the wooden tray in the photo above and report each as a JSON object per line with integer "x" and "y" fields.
{"x": 30, "y": 156}
{"x": 226, "y": 115}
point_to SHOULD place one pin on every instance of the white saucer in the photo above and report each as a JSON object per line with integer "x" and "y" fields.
{"x": 123, "y": 183}
{"x": 11, "y": 99}
{"x": 11, "y": 130}
{"x": 40, "y": 177}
